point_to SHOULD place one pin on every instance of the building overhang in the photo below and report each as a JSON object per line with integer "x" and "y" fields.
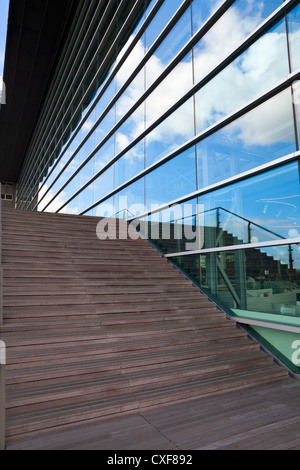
{"x": 36, "y": 33}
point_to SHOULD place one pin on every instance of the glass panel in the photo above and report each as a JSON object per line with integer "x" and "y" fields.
{"x": 86, "y": 198}
{"x": 62, "y": 164}
{"x": 131, "y": 95}
{"x": 160, "y": 20}
{"x": 263, "y": 65}
{"x": 130, "y": 130}
{"x": 170, "y": 90}
{"x": 171, "y": 133}
{"x": 261, "y": 284}
{"x": 234, "y": 26}
{"x": 86, "y": 173}
{"x": 148, "y": 5}
{"x": 105, "y": 99}
{"x": 131, "y": 201}
{"x": 103, "y": 185}
{"x": 260, "y": 136}
{"x": 104, "y": 155}
{"x": 132, "y": 163}
{"x": 201, "y": 11}
{"x": 133, "y": 60}
{"x": 105, "y": 209}
{"x": 91, "y": 213}
{"x": 189, "y": 265}
{"x": 66, "y": 194}
{"x": 172, "y": 180}
{"x": 264, "y": 207}
{"x": 296, "y": 100}
{"x": 283, "y": 344}
{"x": 171, "y": 45}
{"x": 138, "y": 51}
{"x": 104, "y": 127}
{"x": 176, "y": 228}
{"x": 294, "y": 36}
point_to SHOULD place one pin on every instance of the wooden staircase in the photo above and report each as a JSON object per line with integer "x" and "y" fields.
{"x": 98, "y": 328}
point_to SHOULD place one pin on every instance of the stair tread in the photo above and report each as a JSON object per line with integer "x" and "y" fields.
{"x": 125, "y": 359}
{"x": 96, "y": 328}
{"x": 139, "y": 396}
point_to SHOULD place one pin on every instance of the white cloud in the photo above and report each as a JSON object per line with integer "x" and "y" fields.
{"x": 293, "y": 233}
{"x": 257, "y": 69}
{"x": 87, "y": 126}
{"x": 56, "y": 204}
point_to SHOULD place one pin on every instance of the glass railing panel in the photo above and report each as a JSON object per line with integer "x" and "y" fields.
{"x": 260, "y": 284}
{"x": 177, "y": 228}
{"x": 262, "y": 208}
{"x": 190, "y": 266}
{"x": 284, "y": 345}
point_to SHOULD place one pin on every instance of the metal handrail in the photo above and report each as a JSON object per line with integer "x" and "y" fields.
{"x": 250, "y": 222}
{"x": 122, "y": 211}
{"x": 236, "y": 215}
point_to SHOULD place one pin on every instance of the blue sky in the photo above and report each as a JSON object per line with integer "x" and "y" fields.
{"x": 3, "y": 30}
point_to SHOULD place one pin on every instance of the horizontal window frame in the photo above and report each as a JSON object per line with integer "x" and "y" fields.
{"x": 245, "y": 246}
{"x": 287, "y": 83}
{"x": 114, "y": 19}
{"x": 276, "y": 16}
{"x": 143, "y": 27}
{"x": 177, "y": 15}
{"x": 57, "y": 88}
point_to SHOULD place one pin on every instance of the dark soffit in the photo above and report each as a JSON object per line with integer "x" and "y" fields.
{"x": 36, "y": 33}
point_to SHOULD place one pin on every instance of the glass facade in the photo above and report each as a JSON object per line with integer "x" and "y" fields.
{"x": 194, "y": 104}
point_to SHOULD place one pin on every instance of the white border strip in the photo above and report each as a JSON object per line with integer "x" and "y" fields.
{"x": 287, "y": 241}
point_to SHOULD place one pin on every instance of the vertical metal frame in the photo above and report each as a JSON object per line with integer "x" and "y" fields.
{"x": 2, "y": 346}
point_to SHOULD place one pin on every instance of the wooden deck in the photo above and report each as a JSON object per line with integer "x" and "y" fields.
{"x": 265, "y": 417}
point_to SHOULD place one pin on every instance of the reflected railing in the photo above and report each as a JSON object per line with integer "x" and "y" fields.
{"x": 250, "y": 226}
{"x": 248, "y": 270}
{"x": 217, "y": 227}
{"x": 123, "y": 214}
{"x": 234, "y": 277}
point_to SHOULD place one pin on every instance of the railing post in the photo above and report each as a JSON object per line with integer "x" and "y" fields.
{"x": 2, "y": 394}
{"x": 291, "y": 261}
{"x": 249, "y": 232}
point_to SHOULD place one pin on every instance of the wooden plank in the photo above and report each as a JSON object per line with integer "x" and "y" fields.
{"x": 96, "y": 329}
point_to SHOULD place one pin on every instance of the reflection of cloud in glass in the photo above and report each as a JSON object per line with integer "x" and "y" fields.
{"x": 87, "y": 126}
{"x": 263, "y": 65}
{"x": 239, "y": 21}
{"x": 293, "y": 233}
{"x": 263, "y": 127}
{"x": 259, "y": 67}
{"x": 56, "y": 204}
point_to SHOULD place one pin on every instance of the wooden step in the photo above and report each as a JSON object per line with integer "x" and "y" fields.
{"x": 62, "y": 416}
{"x": 102, "y": 328}
{"x": 42, "y": 358}
{"x": 96, "y": 381}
